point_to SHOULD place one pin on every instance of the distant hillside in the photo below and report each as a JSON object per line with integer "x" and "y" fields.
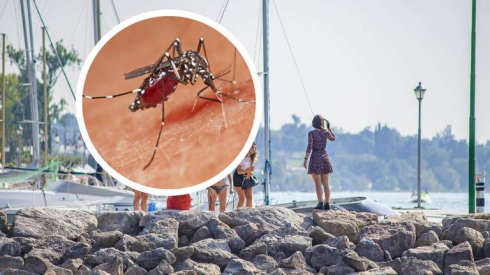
{"x": 373, "y": 160}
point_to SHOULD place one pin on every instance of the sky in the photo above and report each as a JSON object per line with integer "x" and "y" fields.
{"x": 359, "y": 59}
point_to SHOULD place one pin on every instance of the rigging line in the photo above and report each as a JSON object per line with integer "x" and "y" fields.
{"x": 220, "y": 11}
{"x": 257, "y": 33}
{"x": 54, "y": 49}
{"x": 3, "y": 9}
{"x": 115, "y": 12}
{"x": 224, "y": 10}
{"x": 78, "y": 22}
{"x": 17, "y": 25}
{"x": 294, "y": 59}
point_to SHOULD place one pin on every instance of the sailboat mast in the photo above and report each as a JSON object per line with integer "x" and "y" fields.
{"x": 472, "y": 120}
{"x": 96, "y": 11}
{"x": 265, "y": 22}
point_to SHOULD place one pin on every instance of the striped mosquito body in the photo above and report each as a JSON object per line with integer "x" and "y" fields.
{"x": 170, "y": 70}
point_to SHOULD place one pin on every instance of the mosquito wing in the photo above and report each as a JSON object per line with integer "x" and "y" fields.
{"x": 140, "y": 71}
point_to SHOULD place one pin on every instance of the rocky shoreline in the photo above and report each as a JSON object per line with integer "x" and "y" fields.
{"x": 262, "y": 240}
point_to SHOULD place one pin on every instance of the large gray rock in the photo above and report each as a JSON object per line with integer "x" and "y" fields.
{"x": 318, "y": 235}
{"x": 107, "y": 254}
{"x": 12, "y": 271}
{"x": 252, "y": 251}
{"x": 323, "y": 255}
{"x": 9, "y": 247}
{"x": 287, "y": 244}
{"x": 127, "y": 222}
{"x": 200, "y": 268}
{"x": 201, "y": 234}
{"x": 135, "y": 270}
{"x": 106, "y": 239}
{"x": 339, "y": 268}
{"x": 265, "y": 263}
{"x": 369, "y": 249}
{"x": 189, "y": 221}
{"x": 435, "y": 253}
{"x": 39, "y": 265}
{"x": 486, "y": 248}
{"x": 427, "y": 239}
{"x": 461, "y": 252}
{"x": 358, "y": 263}
{"x": 345, "y": 223}
{"x": 51, "y": 248}
{"x": 41, "y": 222}
{"x": 161, "y": 269}
{"x": 212, "y": 251}
{"x": 130, "y": 243}
{"x": 295, "y": 261}
{"x": 379, "y": 271}
{"x": 249, "y": 232}
{"x": 395, "y": 237}
{"x": 463, "y": 268}
{"x": 11, "y": 262}
{"x": 422, "y": 224}
{"x": 113, "y": 267}
{"x": 163, "y": 232}
{"x": 182, "y": 253}
{"x": 72, "y": 264}
{"x": 77, "y": 251}
{"x": 265, "y": 217}
{"x": 150, "y": 259}
{"x": 473, "y": 237}
{"x": 239, "y": 266}
{"x": 26, "y": 244}
{"x": 413, "y": 266}
{"x": 483, "y": 266}
{"x": 341, "y": 242}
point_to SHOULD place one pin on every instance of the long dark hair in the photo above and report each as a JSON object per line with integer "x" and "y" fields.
{"x": 318, "y": 122}
{"x": 255, "y": 154}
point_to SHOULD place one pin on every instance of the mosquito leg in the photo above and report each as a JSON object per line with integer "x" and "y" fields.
{"x": 112, "y": 96}
{"x": 159, "y": 133}
{"x": 207, "y": 98}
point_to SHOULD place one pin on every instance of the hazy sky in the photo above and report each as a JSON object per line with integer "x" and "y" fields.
{"x": 360, "y": 59}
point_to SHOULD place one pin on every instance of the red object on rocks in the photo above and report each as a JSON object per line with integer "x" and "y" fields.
{"x": 182, "y": 202}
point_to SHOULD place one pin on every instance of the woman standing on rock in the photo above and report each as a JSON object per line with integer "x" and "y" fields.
{"x": 218, "y": 191}
{"x": 244, "y": 172}
{"x": 319, "y": 166}
{"x": 140, "y": 197}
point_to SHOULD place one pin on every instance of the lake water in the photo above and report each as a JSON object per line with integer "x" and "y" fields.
{"x": 454, "y": 202}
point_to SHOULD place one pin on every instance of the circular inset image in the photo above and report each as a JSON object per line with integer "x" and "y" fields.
{"x": 168, "y": 102}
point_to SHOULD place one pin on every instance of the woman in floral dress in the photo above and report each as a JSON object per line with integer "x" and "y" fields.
{"x": 319, "y": 167}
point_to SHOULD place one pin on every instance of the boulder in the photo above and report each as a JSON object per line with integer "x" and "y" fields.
{"x": 107, "y": 254}
{"x": 182, "y": 253}
{"x": 463, "y": 268}
{"x": 200, "y": 268}
{"x": 51, "y": 248}
{"x": 369, "y": 249}
{"x": 77, "y": 251}
{"x": 268, "y": 218}
{"x": 486, "y": 248}
{"x": 318, "y": 235}
{"x": 72, "y": 264}
{"x": 358, "y": 263}
{"x": 42, "y": 222}
{"x": 461, "y": 252}
{"x": 135, "y": 270}
{"x": 395, "y": 237}
{"x": 150, "y": 259}
{"x": 323, "y": 255}
{"x": 341, "y": 242}
{"x": 113, "y": 267}
{"x": 12, "y": 271}
{"x": 473, "y": 237}
{"x": 26, "y": 244}
{"x": 239, "y": 266}
{"x": 11, "y": 262}
{"x": 161, "y": 269}
{"x": 379, "y": 271}
{"x": 127, "y": 222}
{"x": 295, "y": 261}
{"x": 106, "y": 239}
{"x": 83, "y": 270}
{"x": 339, "y": 223}
{"x": 265, "y": 263}
{"x": 201, "y": 234}
{"x": 410, "y": 265}
{"x": 39, "y": 265}
{"x": 253, "y": 251}
{"x": 435, "y": 253}
{"x": 289, "y": 244}
{"x": 189, "y": 221}
{"x": 427, "y": 239}
{"x": 483, "y": 266}
{"x": 129, "y": 243}
{"x": 9, "y": 247}
{"x": 249, "y": 232}
{"x": 212, "y": 251}
{"x": 339, "y": 268}
{"x": 422, "y": 225}
{"x": 163, "y": 232}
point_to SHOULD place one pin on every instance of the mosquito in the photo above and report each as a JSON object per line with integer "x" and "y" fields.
{"x": 164, "y": 76}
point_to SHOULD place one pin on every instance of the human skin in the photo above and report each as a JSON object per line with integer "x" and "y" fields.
{"x": 200, "y": 138}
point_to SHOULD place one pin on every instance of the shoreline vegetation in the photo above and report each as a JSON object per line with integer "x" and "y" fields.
{"x": 377, "y": 160}
{"x": 262, "y": 240}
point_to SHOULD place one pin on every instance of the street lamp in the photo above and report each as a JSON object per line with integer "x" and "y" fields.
{"x": 419, "y": 93}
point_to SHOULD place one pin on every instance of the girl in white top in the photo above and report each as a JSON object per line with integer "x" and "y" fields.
{"x": 243, "y": 172}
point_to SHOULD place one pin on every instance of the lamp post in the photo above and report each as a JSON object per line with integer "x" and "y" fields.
{"x": 419, "y": 94}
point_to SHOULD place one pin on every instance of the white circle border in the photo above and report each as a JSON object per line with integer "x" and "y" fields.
{"x": 201, "y": 19}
